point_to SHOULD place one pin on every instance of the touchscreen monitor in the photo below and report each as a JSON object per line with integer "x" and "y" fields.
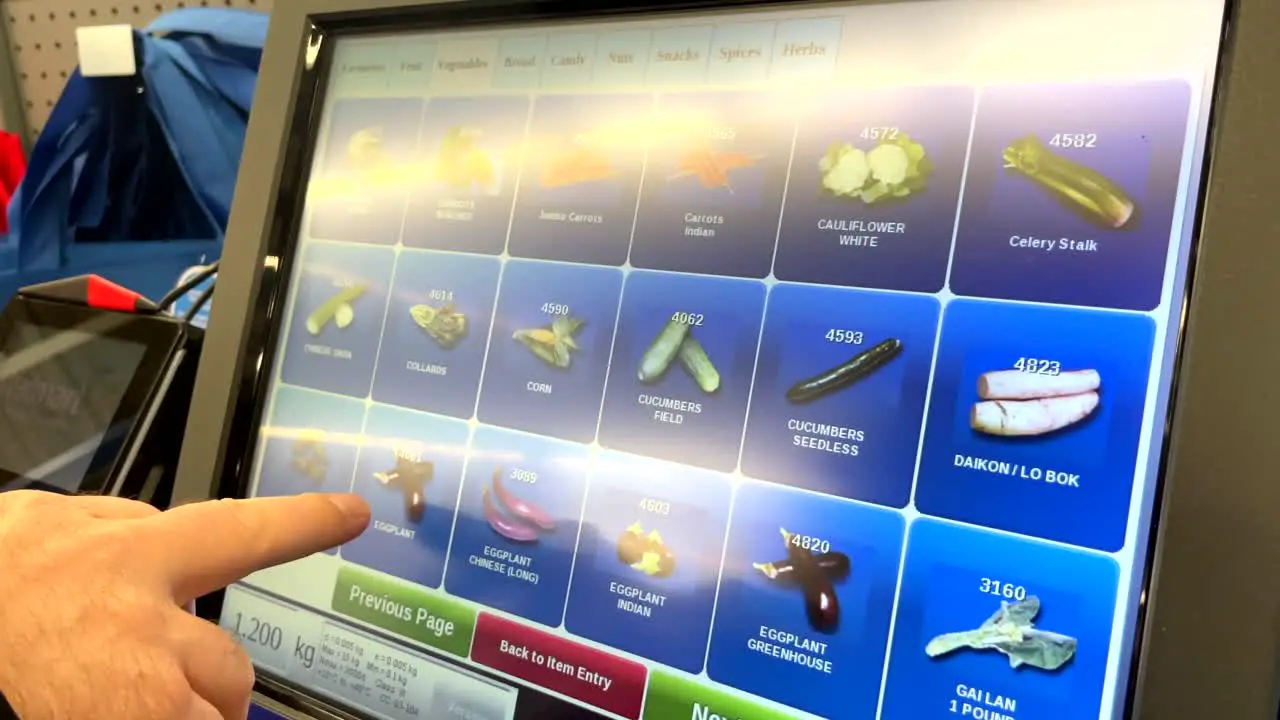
{"x": 70, "y": 392}
{"x": 806, "y": 361}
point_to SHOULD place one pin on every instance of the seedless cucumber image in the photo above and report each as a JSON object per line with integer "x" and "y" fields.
{"x": 1084, "y": 190}
{"x": 847, "y": 373}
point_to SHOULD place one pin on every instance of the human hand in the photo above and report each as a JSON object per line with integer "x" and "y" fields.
{"x": 92, "y": 591}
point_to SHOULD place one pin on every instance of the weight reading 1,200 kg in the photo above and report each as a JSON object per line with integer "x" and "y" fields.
{"x": 256, "y": 631}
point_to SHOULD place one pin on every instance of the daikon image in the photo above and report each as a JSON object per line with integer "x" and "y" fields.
{"x": 1015, "y": 403}
{"x": 1019, "y": 385}
{"x": 1016, "y": 418}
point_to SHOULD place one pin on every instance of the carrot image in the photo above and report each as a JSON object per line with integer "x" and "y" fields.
{"x": 712, "y": 169}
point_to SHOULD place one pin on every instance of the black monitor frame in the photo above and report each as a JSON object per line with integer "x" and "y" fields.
{"x": 1209, "y": 610}
{"x": 159, "y": 336}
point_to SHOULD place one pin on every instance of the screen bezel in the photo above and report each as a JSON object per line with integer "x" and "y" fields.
{"x": 158, "y": 338}
{"x": 1213, "y": 545}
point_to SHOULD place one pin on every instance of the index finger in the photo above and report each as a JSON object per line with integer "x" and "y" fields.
{"x": 206, "y": 546}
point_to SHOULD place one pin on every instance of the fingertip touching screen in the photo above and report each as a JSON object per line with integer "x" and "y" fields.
{"x": 803, "y": 361}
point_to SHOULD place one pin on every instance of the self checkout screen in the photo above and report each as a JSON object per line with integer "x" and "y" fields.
{"x": 804, "y": 362}
{"x": 61, "y": 391}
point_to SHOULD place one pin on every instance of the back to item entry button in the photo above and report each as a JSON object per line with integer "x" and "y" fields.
{"x": 592, "y": 676}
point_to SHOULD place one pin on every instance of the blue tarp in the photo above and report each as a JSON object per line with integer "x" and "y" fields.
{"x": 132, "y": 178}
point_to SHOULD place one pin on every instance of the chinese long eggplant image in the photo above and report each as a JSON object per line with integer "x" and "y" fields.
{"x": 1084, "y": 190}
{"x": 1011, "y": 632}
{"x": 512, "y": 517}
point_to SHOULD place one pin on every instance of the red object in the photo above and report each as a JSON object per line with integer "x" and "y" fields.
{"x": 13, "y": 165}
{"x": 106, "y": 295}
{"x": 91, "y": 290}
{"x": 597, "y": 678}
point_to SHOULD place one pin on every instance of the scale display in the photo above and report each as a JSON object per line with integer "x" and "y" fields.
{"x": 737, "y": 365}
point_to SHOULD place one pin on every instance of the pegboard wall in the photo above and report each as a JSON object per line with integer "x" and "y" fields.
{"x": 42, "y": 44}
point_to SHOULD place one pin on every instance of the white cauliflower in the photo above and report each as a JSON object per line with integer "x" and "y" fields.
{"x": 845, "y": 170}
{"x": 889, "y": 164}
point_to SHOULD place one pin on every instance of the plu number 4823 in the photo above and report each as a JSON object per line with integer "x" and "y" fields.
{"x": 1038, "y": 366}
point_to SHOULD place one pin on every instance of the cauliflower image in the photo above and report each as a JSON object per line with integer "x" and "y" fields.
{"x": 845, "y": 170}
{"x": 894, "y": 168}
{"x": 889, "y": 164}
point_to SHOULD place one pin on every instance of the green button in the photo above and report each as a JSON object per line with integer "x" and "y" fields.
{"x": 675, "y": 697}
{"x": 429, "y": 618}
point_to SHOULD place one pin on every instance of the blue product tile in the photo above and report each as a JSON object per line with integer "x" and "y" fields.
{"x": 398, "y": 542}
{"x": 320, "y": 354}
{"x": 418, "y": 371}
{"x": 1072, "y": 485}
{"x": 669, "y": 415}
{"x": 763, "y": 642}
{"x": 523, "y": 391}
{"x": 954, "y": 580}
{"x": 1017, "y": 240}
{"x": 525, "y": 577}
{"x": 897, "y": 244}
{"x": 859, "y": 441}
{"x": 664, "y": 618}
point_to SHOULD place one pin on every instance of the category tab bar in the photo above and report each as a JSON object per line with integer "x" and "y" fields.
{"x": 679, "y": 56}
{"x": 571, "y": 58}
{"x": 520, "y": 62}
{"x": 622, "y": 58}
{"x": 806, "y": 49}
{"x": 741, "y": 54}
{"x": 464, "y": 65}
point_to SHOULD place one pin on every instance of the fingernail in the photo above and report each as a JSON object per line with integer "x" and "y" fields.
{"x": 353, "y": 506}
